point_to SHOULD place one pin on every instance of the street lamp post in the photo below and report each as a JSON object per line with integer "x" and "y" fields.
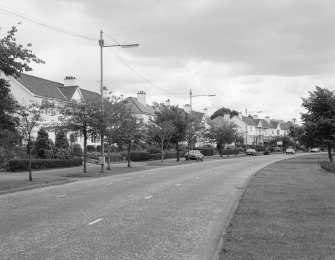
{"x": 102, "y": 45}
{"x": 246, "y": 127}
{"x": 191, "y": 96}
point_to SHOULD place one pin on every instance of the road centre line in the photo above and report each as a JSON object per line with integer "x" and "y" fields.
{"x": 95, "y": 221}
{"x": 148, "y": 197}
{"x": 109, "y": 184}
{"x": 63, "y": 195}
{"x": 178, "y": 184}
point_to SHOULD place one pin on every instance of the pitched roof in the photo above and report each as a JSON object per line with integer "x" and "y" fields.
{"x": 264, "y": 123}
{"x": 41, "y": 87}
{"x": 274, "y": 123}
{"x": 137, "y": 108}
{"x": 219, "y": 121}
{"x": 50, "y": 89}
{"x": 198, "y": 115}
{"x": 249, "y": 121}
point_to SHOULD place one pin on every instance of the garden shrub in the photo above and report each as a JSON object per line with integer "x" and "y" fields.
{"x": 76, "y": 150}
{"x": 328, "y": 166}
{"x": 137, "y": 156}
{"x": 206, "y": 151}
{"x": 63, "y": 154}
{"x": 91, "y": 148}
{"x": 22, "y": 165}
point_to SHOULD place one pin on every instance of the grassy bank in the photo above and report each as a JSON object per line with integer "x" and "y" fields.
{"x": 287, "y": 212}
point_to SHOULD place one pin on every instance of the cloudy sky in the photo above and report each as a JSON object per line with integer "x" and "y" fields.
{"x": 261, "y": 55}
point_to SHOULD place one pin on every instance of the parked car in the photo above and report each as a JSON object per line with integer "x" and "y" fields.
{"x": 267, "y": 152}
{"x": 194, "y": 154}
{"x": 315, "y": 150}
{"x": 251, "y": 151}
{"x": 290, "y": 151}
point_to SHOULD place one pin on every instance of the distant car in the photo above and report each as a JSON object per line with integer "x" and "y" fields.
{"x": 290, "y": 151}
{"x": 251, "y": 152}
{"x": 315, "y": 150}
{"x": 267, "y": 152}
{"x": 194, "y": 154}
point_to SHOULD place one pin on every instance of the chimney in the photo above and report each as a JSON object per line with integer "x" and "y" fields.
{"x": 141, "y": 97}
{"x": 70, "y": 81}
{"x": 226, "y": 117}
{"x": 187, "y": 108}
{"x": 168, "y": 103}
{"x": 267, "y": 119}
{"x": 255, "y": 116}
{"x": 240, "y": 115}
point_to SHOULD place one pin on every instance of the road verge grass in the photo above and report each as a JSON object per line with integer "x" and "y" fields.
{"x": 287, "y": 212}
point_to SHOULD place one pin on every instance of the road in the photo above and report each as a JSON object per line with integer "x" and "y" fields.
{"x": 167, "y": 213}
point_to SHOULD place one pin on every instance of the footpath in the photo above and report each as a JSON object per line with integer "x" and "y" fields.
{"x": 286, "y": 212}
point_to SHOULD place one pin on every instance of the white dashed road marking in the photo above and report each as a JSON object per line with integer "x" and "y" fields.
{"x": 109, "y": 184}
{"x": 148, "y": 197}
{"x": 63, "y": 195}
{"x": 95, "y": 221}
{"x": 178, "y": 184}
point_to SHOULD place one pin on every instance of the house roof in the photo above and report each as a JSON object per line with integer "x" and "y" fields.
{"x": 274, "y": 124}
{"x": 248, "y": 120}
{"x": 137, "y": 108}
{"x": 264, "y": 123}
{"x": 41, "y": 87}
{"x": 50, "y": 89}
{"x": 219, "y": 121}
{"x": 198, "y": 115}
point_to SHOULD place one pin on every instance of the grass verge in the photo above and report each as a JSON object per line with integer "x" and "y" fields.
{"x": 287, "y": 212}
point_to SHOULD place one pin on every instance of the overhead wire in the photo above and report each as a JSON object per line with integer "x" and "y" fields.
{"x": 15, "y": 13}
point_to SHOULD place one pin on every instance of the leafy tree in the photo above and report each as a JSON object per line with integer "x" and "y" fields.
{"x": 286, "y": 140}
{"x": 42, "y": 147}
{"x": 82, "y": 118}
{"x": 222, "y": 111}
{"x": 319, "y": 121}
{"x": 179, "y": 119}
{"x": 161, "y": 133}
{"x": 225, "y": 133}
{"x": 61, "y": 141}
{"x": 14, "y": 59}
{"x": 31, "y": 118}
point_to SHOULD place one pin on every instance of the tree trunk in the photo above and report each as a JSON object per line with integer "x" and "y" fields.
{"x": 178, "y": 154}
{"x": 29, "y": 158}
{"x": 129, "y": 144}
{"x": 162, "y": 151}
{"x": 85, "y": 150}
{"x": 109, "y": 158}
{"x": 330, "y": 154}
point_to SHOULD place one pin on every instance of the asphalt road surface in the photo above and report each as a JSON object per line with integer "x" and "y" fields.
{"x": 167, "y": 213}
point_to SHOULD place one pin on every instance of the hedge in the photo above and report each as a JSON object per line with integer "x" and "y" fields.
{"x": 167, "y": 155}
{"x": 328, "y": 166}
{"x": 206, "y": 151}
{"x": 22, "y": 165}
{"x": 137, "y": 156}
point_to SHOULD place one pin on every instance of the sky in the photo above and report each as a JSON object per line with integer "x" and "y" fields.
{"x": 262, "y": 55}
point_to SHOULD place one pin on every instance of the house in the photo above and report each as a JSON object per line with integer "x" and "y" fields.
{"x": 30, "y": 88}
{"x": 139, "y": 107}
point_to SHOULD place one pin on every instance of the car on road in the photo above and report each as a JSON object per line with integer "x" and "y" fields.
{"x": 290, "y": 151}
{"x": 315, "y": 150}
{"x": 251, "y": 151}
{"x": 194, "y": 154}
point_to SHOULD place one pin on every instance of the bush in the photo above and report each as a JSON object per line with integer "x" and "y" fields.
{"x": 229, "y": 151}
{"x": 154, "y": 150}
{"x": 328, "y": 166}
{"x": 76, "y": 150}
{"x": 167, "y": 155}
{"x": 63, "y": 154}
{"x": 137, "y": 156}
{"x": 22, "y": 165}
{"x": 91, "y": 148}
{"x": 206, "y": 151}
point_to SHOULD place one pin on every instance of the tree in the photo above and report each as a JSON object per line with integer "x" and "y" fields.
{"x": 14, "y": 59}
{"x": 61, "y": 141}
{"x": 179, "y": 119}
{"x": 222, "y": 111}
{"x": 115, "y": 113}
{"x": 42, "y": 146}
{"x": 82, "y": 118}
{"x": 225, "y": 133}
{"x": 319, "y": 121}
{"x": 161, "y": 133}
{"x": 31, "y": 118}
